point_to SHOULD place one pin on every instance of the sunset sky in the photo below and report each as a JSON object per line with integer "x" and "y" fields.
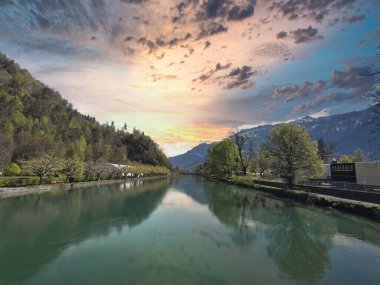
{"x": 189, "y": 71}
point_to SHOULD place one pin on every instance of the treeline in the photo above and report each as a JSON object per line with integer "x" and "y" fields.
{"x": 48, "y": 168}
{"x": 35, "y": 120}
{"x": 327, "y": 151}
{"x": 288, "y": 153}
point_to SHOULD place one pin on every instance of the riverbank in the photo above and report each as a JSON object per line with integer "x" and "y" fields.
{"x": 9, "y": 192}
{"x": 369, "y": 210}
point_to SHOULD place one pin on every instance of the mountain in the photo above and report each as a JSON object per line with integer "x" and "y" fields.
{"x": 191, "y": 158}
{"x": 347, "y": 132}
{"x": 35, "y": 119}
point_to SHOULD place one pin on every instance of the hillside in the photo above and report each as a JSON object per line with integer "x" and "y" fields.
{"x": 191, "y": 158}
{"x": 36, "y": 119}
{"x": 347, "y": 132}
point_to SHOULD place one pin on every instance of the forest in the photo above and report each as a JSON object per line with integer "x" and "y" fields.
{"x": 36, "y": 120}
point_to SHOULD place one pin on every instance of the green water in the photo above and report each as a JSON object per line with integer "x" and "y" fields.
{"x": 181, "y": 231}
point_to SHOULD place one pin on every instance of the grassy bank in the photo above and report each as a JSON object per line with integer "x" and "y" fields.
{"x": 133, "y": 170}
{"x": 8, "y": 192}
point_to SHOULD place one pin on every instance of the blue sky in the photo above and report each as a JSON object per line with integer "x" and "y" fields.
{"x": 189, "y": 71}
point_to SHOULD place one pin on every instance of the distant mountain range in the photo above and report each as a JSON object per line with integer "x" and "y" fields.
{"x": 348, "y": 132}
{"x": 192, "y": 158}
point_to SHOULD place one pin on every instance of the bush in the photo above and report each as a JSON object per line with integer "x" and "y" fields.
{"x": 18, "y": 181}
{"x": 12, "y": 170}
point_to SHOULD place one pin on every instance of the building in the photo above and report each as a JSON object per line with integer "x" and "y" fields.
{"x": 363, "y": 173}
{"x": 368, "y": 173}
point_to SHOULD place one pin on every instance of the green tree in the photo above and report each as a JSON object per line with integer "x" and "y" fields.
{"x": 12, "y": 170}
{"x": 6, "y": 150}
{"x": 9, "y": 129}
{"x": 35, "y": 119}
{"x": 222, "y": 158}
{"x": 325, "y": 150}
{"x": 346, "y": 159}
{"x": 263, "y": 161}
{"x": 294, "y": 154}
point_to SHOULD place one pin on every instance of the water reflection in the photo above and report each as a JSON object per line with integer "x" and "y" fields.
{"x": 299, "y": 238}
{"x": 300, "y": 242}
{"x": 31, "y": 226}
{"x": 184, "y": 231}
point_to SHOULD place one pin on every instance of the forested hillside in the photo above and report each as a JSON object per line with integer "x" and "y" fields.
{"x": 35, "y": 119}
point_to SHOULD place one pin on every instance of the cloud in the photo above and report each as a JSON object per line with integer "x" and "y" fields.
{"x": 305, "y": 35}
{"x": 272, "y": 50}
{"x": 239, "y": 77}
{"x": 210, "y": 29}
{"x": 352, "y": 78}
{"x": 348, "y": 86}
{"x": 218, "y": 67}
{"x": 327, "y": 98}
{"x": 239, "y": 13}
{"x": 157, "y": 77}
{"x": 160, "y": 42}
{"x": 322, "y": 113}
{"x": 212, "y": 9}
{"x": 290, "y": 93}
{"x": 281, "y": 35}
{"x": 315, "y": 10}
{"x": 225, "y": 9}
{"x": 133, "y": 1}
{"x": 353, "y": 19}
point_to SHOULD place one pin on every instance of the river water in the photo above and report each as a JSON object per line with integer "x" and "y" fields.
{"x": 181, "y": 231}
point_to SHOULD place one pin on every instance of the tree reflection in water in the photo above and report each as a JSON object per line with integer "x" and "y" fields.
{"x": 299, "y": 238}
{"x": 31, "y": 225}
{"x": 300, "y": 242}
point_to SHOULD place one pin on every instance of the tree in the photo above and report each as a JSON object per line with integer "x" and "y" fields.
{"x": 263, "y": 161}
{"x": 222, "y": 158}
{"x": 293, "y": 153}
{"x": 345, "y": 159}
{"x": 43, "y": 166}
{"x": 100, "y": 169}
{"x": 358, "y": 156}
{"x": 240, "y": 140}
{"x": 6, "y": 150}
{"x": 374, "y": 94}
{"x": 71, "y": 167}
{"x": 35, "y": 119}
{"x": 12, "y": 170}
{"x": 325, "y": 150}
{"x": 90, "y": 168}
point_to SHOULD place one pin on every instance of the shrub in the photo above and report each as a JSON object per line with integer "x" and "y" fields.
{"x": 12, "y": 170}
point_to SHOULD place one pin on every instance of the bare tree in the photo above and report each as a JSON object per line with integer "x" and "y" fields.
{"x": 90, "y": 168}
{"x": 70, "y": 168}
{"x": 374, "y": 95}
{"x": 101, "y": 169}
{"x": 240, "y": 140}
{"x": 43, "y": 166}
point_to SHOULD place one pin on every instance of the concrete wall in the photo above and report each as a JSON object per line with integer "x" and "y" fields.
{"x": 368, "y": 173}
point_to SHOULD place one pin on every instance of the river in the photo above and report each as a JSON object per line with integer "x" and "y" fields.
{"x": 180, "y": 231}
